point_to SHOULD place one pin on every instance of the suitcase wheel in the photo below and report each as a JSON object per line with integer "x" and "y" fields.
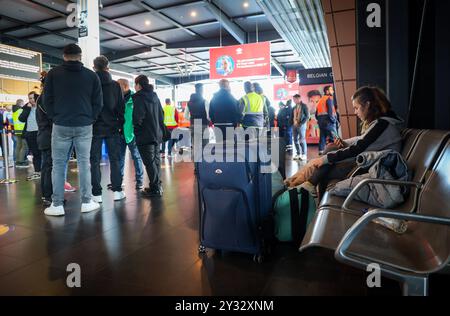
{"x": 258, "y": 259}
{"x": 201, "y": 249}
{"x": 181, "y": 151}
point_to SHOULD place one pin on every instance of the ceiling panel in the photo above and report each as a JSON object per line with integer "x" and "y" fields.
{"x": 212, "y": 30}
{"x": 144, "y": 40}
{"x": 249, "y": 24}
{"x": 52, "y": 40}
{"x": 25, "y": 32}
{"x": 204, "y": 55}
{"x": 120, "y": 10}
{"x": 282, "y": 46}
{"x": 174, "y": 36}
{"x": 183, "y": 14}
{"x": 24, "y": 11}
{"x": 138, "y": 22}
{"x": 4, "y": 24}
{"x": 119, "y": 44}
{"x": 55, "y": 25}
{"x": 136, "y": 63}
{"x": 105, "y": 36}
{"x": 165, "y": 60}
{"x": 165, "y": 71}
{"x": 164, "y": 3}
{"x": 115, "y": 29}
{"x": 236, "y": 7}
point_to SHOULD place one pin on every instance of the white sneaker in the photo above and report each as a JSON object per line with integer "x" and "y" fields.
{"x": 54, "y": 210}
{"x": 303, "y": 157}
{"x": 119, "y": 196}
{"x": 297, "y": 157}
{"x": 89, "y": 207}
{"x": 97, "y": 199}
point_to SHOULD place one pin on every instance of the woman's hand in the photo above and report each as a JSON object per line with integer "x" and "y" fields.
{"x": 340, "y": 143}
{"x": 318, "y": 162}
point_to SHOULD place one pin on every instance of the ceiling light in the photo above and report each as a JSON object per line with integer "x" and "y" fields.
{"x": 246, "y": 5}
{"x": 147, "y": 22}
{"x": 193, "y": 14}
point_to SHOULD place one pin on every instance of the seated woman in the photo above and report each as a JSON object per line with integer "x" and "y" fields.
{"x": 380, "y": 131}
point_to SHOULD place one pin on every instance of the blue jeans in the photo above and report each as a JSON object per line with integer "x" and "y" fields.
{"x": 300, "y": 139}
{"x": 63, "y": 138}
{"x": 326, "y": 132}
{"x": 138, "y": 166}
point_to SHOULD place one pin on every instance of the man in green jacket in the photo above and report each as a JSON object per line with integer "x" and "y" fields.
{"x": 128, "y": 139}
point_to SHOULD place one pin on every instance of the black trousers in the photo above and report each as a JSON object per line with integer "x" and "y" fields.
{"x": 31, "y": 138}
{"x": 113, "y": 147}
{"x": 46, "y": 174}
{"x": 152, "y": 162}
{"x": 339, "y": 171}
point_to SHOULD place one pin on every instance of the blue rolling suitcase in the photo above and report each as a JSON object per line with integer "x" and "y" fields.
{"x": 235, "y": 206}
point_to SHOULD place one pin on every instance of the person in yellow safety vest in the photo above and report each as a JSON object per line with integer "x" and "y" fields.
{"x": 326, "y": 117}
{"x": 252, "y": 107}
{"x": 20, "y": 144}
{"x": 171, "y": 121}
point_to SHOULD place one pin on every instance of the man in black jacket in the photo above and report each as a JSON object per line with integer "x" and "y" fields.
{"x": 148, "y": 121}
{"x": 73, "y": 100}
{"x": 224, "y": 110}
{"x": 108, "y": 128}
{"x": 197, "y": 110}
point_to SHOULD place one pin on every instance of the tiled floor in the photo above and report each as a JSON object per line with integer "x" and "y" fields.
{"x": 148, "y": 247}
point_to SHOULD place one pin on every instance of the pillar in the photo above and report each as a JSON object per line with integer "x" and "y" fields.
{"x": 89, "y": 30}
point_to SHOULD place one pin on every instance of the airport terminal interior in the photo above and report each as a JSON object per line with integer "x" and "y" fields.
{"x": 328, "y": 84}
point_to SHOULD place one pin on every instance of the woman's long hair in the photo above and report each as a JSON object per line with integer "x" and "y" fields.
{"x": 375, "y": 101}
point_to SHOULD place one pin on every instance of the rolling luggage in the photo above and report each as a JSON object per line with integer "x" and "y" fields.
{"x": 235, "y": 201}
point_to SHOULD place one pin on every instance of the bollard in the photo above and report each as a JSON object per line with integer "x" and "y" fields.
{"x": 5, "y": 143}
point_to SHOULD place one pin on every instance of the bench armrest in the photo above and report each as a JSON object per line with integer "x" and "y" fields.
{"x": 391, "y": 270}
{"x": 359, "y": 186}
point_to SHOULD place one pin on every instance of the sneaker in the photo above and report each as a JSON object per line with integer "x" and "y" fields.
{"x": 68, "y": 187}
{"x": 54, "y": 210}
{"x": 109, "y": 186}
{"x": 303, "y": 157}
{"x": 97, "y": 198}
{"x": 118, "y": 196}
{"x": 139, "y": 186}
{"x": 46, "y": 201}
{"x": 321, "y": 153}
{"x": 296, "y": 157}
{"x": 34, "y": 176}
{"x": 89, "y": 207}
{"x": 151, "y": 193}
{"x": 308, "y": 186}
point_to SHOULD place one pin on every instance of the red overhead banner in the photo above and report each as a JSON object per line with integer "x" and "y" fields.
{"x": 237, "y": 61}
{"x": 285, "y": 91}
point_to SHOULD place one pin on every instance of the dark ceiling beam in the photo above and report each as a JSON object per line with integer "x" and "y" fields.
{"x": 116, "y": 55}
{"x": 229, "y": 25}
{"x": 208, "y": 42}
{"x": 266, "y": 36}
{"x": 45, "y": 33}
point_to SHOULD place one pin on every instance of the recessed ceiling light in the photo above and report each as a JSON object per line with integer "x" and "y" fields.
{"x": 194, "y": 14}
{"x": 147, "y": 22}
{"x": 246, "y": 5}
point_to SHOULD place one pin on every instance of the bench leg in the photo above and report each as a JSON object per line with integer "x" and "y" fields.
{"x": 415, "y": 286}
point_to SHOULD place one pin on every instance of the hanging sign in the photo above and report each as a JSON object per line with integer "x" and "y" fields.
{"x": 285, "y": 91}
{"x": 238, "y": 61}
{"x": 316, "y": 76}
{"x": 20, "y": 64}
{"x": 83, "y": 26}
{"x": 291, "y": 75}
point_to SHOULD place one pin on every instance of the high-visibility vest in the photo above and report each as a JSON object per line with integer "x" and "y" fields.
{"x": 322, "y": 108}
{"x": 169, "y": 116}
{"x": 253, "y": 104}
{"x": 182, "y": 121}
{"x": 18, "y": 125}
{"x": 253, "y": 110}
